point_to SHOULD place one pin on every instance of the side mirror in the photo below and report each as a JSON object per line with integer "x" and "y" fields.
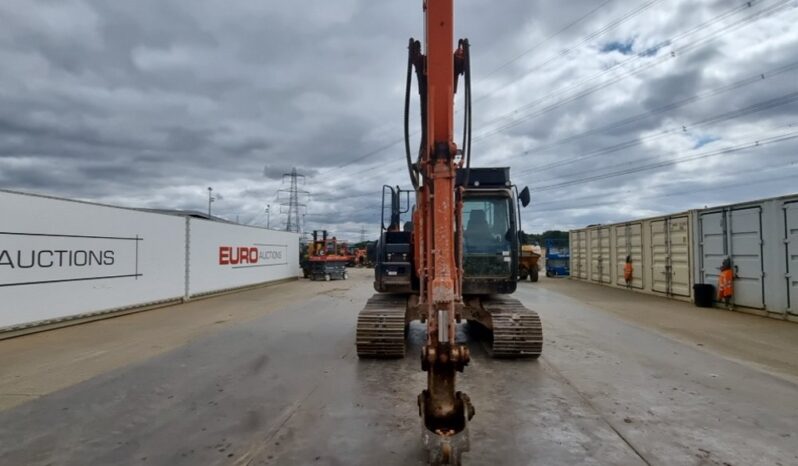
{"x": 524, "y": 196}
{"x": 521, "y": 236}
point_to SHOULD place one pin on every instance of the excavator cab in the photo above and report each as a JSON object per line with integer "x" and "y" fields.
{"x": 491, "y": 223}
{"x": 491, "y": 246}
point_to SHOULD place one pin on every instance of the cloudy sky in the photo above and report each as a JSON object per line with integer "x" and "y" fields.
{"x": 607, "y": 109}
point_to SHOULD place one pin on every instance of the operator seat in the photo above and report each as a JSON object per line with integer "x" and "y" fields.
{"x": 477, "y": 235}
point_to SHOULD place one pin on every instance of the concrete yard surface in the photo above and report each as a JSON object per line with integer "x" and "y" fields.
{"x": 270, "y": 377}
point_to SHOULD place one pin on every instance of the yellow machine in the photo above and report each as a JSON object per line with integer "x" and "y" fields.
{"x": 528, "y": 264}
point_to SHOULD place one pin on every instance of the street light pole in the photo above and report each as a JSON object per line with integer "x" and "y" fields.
{"x": 268, "y": 215}
{"x": 210, "y": 200}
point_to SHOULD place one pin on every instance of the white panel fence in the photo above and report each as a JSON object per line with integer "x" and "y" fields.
{"x": 221, "y": 257}
{"x": 63, "y": 259}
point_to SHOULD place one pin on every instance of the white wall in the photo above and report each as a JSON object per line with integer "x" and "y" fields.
{"x": 60, "y": 258}
{"x": 227, "y": 256}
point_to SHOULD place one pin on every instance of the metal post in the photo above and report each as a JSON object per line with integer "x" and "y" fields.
{"x": 187, "y": 263}
{"x": 210, "y": 200}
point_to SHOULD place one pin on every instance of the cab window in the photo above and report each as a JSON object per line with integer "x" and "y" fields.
{"x": 486, "y": 242}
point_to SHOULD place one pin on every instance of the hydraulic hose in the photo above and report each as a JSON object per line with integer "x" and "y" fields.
{"x": 466, "y": 147}
{"x": 467, "y": 113}
{"x": 409, "y": 82}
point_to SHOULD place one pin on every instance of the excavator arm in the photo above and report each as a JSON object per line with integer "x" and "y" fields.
{"x": 438, "y": 230}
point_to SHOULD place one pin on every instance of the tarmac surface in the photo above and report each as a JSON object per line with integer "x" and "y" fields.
{"x": 270, "y": 377}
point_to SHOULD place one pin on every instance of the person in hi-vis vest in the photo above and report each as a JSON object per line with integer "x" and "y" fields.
{"x": 726, "y": 283}
{"x": 628, "y": 271}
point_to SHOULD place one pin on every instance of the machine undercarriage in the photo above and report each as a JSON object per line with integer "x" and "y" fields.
{"x": 505, "y": 327}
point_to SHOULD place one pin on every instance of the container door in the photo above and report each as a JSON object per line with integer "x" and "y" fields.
{"x": 670, "y": 256}
{"x": 576, "y": 253}
{"x": 621, "y": 250}
{"x": 629, "y": 242}
{"x": 679, "y": 255}
{"x": 737, "y": 234}
{"x": 636, "y": 246}
{"x": 713, "y": 246}
{"x": 659, "y": 256}
{"x": 745, "y": 231}
{"x": 606, "y": 267}
{"x": 581, "y": 261}
{"x": 791, "y": 222}
{"x": 595, "y": 255}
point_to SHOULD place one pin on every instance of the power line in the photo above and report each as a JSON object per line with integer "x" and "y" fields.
{"x": 686, "y": 158}
{"x": 597, "y": 33}
{"x": 754, "y": 108}
{"x": 367, "y": 155}
{"x": 662, "y": 164}
{"x": 548, "y": 38}
{"x": 515, "y": 121}
{"x": 648, "y": 52}
{"x": 676, "y": 52}
{"x": 613, "y": 24}
{"x": 753, "y": 79}
{"x": 664, "y": 195}
{"x": 725, "y": 116}
{"x": 560, "y": 204}
{"x": 674, "y": 194}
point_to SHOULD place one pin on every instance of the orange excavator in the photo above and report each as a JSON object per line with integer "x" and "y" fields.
{"x": 458, "y": 257}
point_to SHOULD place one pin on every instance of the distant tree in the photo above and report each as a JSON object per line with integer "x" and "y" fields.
{"x": 361, "y": 244}
{"x": 540, "y": 238}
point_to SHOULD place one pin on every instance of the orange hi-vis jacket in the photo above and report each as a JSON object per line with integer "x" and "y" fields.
{"x": 725, "y": 284}
{"x": 628, "y": 271}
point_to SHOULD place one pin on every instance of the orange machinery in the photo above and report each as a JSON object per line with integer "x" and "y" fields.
{"x": 325, "y": 259}
{"x": 459, "y": 254}
{"x": 360, "y": 257}
{"x": 349, "y": 254}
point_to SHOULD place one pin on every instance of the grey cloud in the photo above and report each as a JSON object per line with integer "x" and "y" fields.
{"x": 148, "y": 103}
